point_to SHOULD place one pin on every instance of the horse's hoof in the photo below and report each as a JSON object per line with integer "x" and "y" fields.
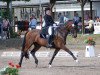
{"x": 77, "y": 61}
{"x": 18, "y": 66}
{"x": 50, "y": 66}
{"x": 36, "y": 65}
{"x": 19, "y": 63}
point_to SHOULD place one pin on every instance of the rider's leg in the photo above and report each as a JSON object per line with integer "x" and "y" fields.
{"x": 49, "y": 36}
{"x": 49, "y": 39}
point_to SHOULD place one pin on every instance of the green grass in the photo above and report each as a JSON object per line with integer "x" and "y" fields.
{"x": 71, "y": 43}
{"x": 78, "y": 43}
{"x": 80, "y": 38}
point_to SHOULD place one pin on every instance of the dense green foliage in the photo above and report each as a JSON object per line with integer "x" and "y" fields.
{"x": 8, "y": 14}
{"x": 8, "y": 11}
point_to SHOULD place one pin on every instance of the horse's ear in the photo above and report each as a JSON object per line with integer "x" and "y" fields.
{"x": 73, "y": 25}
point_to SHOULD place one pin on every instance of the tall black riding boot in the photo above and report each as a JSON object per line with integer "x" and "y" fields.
{"x": 49, "y": 41}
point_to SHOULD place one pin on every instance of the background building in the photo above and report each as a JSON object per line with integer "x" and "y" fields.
{"x": 23, "y": 10}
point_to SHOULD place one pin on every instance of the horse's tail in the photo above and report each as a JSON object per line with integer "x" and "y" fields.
{"x": 23, "y": 47}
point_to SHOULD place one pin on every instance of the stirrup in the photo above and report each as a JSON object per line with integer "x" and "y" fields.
{"x": 49, "y": 45}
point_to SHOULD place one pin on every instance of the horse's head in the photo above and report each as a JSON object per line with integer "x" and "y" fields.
{"x": 73, "y": 31}
{"x": 72, "y": 28}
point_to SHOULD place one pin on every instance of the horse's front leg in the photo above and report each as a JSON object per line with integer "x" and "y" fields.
{"x": 54, "y": 54}
{"x": 67, "y": 50}
{"x": 21, "y": 58}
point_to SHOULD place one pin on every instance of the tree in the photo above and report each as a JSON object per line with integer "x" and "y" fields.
{"x": 8, "y": 9}
{"x": 52, "y": 3}
{"x": 9, "y": 14}
{"x": 82, "y": 3}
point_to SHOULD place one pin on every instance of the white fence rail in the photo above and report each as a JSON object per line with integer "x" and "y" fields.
{"x": 38, "y": 54}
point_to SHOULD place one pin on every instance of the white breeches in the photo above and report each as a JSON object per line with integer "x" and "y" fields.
{"x": 50, "y": 30}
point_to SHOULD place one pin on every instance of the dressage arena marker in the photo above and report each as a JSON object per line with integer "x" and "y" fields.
{"x": 98, "y": 55}
{"x": 89, "y": 52}
{"x": 38, "y": 54}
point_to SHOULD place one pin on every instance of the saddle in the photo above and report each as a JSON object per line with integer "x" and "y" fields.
{"x": 44, "y": 34}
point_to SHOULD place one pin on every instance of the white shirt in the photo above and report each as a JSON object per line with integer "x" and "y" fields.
{"x": 33, "y": 23}
{"x": 91, "y": 22}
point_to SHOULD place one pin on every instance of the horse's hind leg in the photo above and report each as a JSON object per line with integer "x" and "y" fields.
{"x": 67, "y": 50}
{"x": 54, "y": 54}
{"x": 36, "y": 47}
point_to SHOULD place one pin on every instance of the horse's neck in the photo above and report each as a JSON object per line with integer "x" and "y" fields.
{"x": 66, "y": 34}
{"x": 63, "y": 32}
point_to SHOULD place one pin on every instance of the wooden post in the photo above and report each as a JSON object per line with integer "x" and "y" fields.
{"x": 82, "y": 3}
{"x": 82, "y": 12}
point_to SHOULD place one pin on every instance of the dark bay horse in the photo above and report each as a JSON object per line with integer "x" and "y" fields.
{"x": 33, "y": 38}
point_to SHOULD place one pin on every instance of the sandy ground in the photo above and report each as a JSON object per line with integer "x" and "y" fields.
{"x": 60, "y": 66}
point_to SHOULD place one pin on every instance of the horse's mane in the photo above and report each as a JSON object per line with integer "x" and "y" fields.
{"x": 61, "y": 32}
{"x": 64, "y": 27}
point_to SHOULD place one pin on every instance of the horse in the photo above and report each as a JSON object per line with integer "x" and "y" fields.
{"x": 33, "y": 38}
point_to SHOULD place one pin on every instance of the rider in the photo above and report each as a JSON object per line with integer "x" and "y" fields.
{"x": 49, "y": 24}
